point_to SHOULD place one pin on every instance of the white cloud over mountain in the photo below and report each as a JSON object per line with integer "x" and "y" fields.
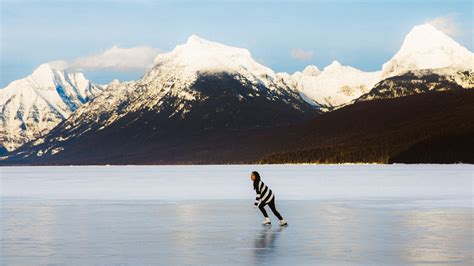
{"x": 446, "y": 24}
{"x": 300, "y": 54}
{"x": 59, "y": 65}
{"x": 114, "y": 58}
{"x": 118, "y": 58}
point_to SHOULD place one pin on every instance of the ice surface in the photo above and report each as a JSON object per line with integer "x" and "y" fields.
{"x": 291, "y": 182}
{"x": 175, "y": 215}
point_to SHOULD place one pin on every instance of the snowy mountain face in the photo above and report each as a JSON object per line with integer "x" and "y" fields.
{"x": 199, "y": 88}
{"x": 178, "y": 81}
{"x": 425, "y": 47}
{"x": 32, "y": 106}
{"x": 428, "y": 60}
{"x": 335, "y": 86}
{"x": 202, "y": 56}
{"x": 425, "y": 51}
{"x": 420, "y": 81}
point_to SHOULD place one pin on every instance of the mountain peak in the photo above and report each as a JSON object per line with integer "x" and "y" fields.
{"x": 333, "y": 66}
{"x": 425, "y": 28}
{"x": 41, "y": 100}
{"x": 196, "y": 44}
{"x": 311, "y": 70}
{"x": 426, "y": 35}
{"x": 43, "y": 69}
{"x": 200, "y": 55}
{"x": 426, "y": 47}
{"x": 43, "y": 74}
{"x": 334, "y": 63}
{"x": 335, "y": 86}
{"x": 194, "y": 39}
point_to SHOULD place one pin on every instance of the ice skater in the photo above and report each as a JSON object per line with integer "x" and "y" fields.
{"x": 265, "y": 196}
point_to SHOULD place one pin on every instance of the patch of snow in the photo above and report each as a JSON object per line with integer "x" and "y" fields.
{"x": 56, "y": 150}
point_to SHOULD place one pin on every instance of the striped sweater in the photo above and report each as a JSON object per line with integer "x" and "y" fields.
{"x": 264, "y": 194}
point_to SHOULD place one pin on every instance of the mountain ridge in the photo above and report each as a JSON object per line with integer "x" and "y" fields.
{"x": 206, "y": 91}
{"x": 31, "y": 106}
{"x": 180, "y": 96}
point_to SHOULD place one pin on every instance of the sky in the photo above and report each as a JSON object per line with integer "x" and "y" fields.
{"x": 119, "y": 39}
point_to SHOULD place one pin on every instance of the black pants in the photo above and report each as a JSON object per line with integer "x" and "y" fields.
{"x": 271, "y": 204}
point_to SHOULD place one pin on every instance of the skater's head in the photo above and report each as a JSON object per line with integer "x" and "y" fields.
{"x": 255, "y": 176}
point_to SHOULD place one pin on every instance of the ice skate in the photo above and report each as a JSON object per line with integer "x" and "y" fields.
{"x": 266, "y": 221}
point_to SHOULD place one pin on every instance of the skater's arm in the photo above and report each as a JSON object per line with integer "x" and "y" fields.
{"x": 257, "y": 200}
{"x": 257, "y": 190}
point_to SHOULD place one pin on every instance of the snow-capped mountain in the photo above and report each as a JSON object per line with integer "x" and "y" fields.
{"x": 428, "y": 61}
{"x": 177, "y": 74}
{"x": 32, "y": 106}
{"x": 200, "y": 55}
{"x": 336, "y": 85}
{"x": 201, "y": 88}
{"x": 426, "y": 47}
{"x": 425, "y": 50}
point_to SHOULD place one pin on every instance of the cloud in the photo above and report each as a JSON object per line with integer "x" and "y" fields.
{"x": 58, "y": 65}
{"x": 446, "y": 24}
{"x": 118, "y": 58}
{"x": 300, "y": 54}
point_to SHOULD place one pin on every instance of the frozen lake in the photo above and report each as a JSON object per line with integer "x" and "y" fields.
{"x": 173, "y": 215}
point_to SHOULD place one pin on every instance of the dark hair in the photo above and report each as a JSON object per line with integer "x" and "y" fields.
{"x": 257, "y": 178}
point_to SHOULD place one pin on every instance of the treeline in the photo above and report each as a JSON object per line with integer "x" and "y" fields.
{"x": 433, "y": 127}
{"x": 448, "y": 149}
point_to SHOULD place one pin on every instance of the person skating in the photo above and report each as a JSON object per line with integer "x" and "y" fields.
{"x": 264, "y": 197}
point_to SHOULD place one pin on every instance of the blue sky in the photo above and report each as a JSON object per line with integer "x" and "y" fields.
{"x": 363, "y": 34}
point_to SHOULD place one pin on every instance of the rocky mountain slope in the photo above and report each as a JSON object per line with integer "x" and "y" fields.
{"x": 198, "y": 90}
{"x": 32, "y": 106}
{"x": 421, "y": 81}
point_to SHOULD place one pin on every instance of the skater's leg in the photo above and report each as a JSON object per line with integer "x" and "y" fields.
{"x": 262, "y": 209}
{"x": 274, "y": 210}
